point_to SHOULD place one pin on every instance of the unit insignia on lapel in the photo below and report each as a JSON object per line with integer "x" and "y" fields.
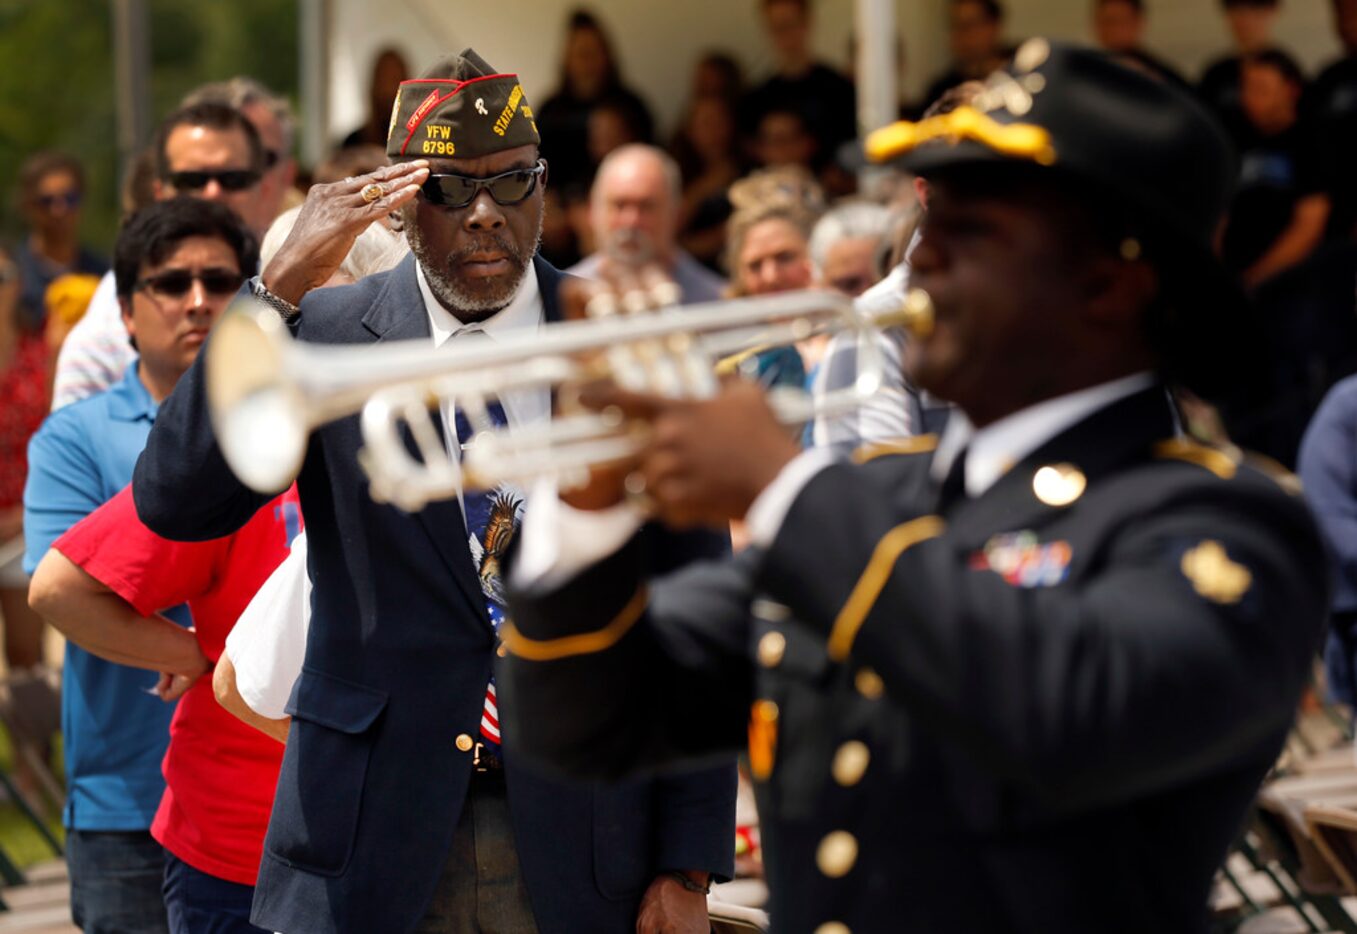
{"x": 1215, "y": 575}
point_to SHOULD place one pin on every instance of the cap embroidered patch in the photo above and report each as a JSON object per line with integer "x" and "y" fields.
{"x": 462, "y": 107}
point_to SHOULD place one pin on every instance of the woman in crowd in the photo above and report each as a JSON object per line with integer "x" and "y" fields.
{"x": 51, "y": 189}
{"x": 589, "y": 77}
{"x": 768, "y": 251}
{"x": 707, "y": 149}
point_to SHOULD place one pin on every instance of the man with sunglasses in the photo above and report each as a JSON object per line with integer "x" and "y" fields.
{"x": 177, "y": 265}
{"x": 211, "y": 151}
{"x": 395, "y": 810}
{"x": 272, "y": 118}
{"x": 207, "y": 151}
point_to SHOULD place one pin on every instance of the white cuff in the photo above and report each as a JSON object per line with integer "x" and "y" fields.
{"x": 559, "y": 541}
{"x": 765, "y": 516}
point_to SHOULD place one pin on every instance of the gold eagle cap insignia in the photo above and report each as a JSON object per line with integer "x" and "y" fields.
{"x": 1215, "y": 575}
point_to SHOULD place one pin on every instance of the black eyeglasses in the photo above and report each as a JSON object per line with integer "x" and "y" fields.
{"x": 229, "y": 180}
{"x": 175, "y": 283}
{"x": 507, "y": 188}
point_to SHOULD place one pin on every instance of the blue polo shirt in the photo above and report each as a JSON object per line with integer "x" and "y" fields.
{"x": 115, "y": 732}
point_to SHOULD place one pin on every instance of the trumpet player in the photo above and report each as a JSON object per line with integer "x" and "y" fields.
{"x": 1024, "y": 677}
{"x": 395, "y": 809}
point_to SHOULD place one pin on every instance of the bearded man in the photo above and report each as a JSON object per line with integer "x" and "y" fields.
{"x": 395, "y": 810}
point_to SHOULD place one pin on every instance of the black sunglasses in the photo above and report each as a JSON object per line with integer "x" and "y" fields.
{"x": 507, "y": 188}
{"x": 175, "y": 283}
{"x": 70, "y": 199}
{"x": 229, "y": 180}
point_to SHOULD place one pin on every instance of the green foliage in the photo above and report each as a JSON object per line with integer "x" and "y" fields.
{"x": 56, "y": 92}
{"x": 57, "y": 80}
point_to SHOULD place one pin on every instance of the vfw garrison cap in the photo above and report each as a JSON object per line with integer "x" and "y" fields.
{"x": 462, "y": 108}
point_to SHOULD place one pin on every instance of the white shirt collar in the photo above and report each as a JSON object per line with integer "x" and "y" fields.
{"x": 993, "y": 451}
{"x": 523, "y": 311}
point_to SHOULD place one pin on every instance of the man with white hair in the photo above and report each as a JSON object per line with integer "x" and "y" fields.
{"x": 849, "y": 246}
{"x": 897, "y": 409}
{"x": 633, "y": 207}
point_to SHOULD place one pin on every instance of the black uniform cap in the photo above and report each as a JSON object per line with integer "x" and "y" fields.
{"x": 1147, "y": 149}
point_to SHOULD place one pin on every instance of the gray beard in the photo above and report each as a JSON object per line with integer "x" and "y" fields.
{"x": 450, "y": 292}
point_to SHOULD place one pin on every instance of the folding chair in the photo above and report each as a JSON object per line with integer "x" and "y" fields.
{"x": 30, "y": 710}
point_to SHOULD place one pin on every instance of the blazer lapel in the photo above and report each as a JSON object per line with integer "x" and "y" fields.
{"x": 549, "y": 280}
{"x": 398, "y": 314}
{"x": 1107, "y": 439}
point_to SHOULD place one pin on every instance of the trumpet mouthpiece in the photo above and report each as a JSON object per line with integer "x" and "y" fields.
{"x": 915, "y": 314}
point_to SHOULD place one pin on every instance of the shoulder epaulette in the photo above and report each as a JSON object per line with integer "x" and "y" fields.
{"x": 1274, "y": 471}
{"x": 919, "y": 444}
{"x": 1219, "y": 462}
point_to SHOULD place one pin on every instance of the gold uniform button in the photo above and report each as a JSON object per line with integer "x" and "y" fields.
{"x": 837, "y": 853}
{"x": 772, "y": 647}
{"x": 833, "y": 927}
{"x": 869, "y": 683}
{"x": 850, "y": 762}
{"x": 465, "y": 742}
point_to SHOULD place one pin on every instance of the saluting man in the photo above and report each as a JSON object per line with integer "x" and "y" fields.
{"x": 1022, "y": 678}
{"x": 395, "y": 810}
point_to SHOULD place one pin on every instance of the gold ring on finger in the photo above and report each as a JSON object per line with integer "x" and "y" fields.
{"x": 372, "y": 192}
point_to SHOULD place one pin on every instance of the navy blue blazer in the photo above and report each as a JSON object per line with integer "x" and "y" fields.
{"x": 399, "y": 651}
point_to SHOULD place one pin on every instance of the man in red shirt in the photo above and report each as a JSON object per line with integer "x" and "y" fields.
{"x": 103, "y": 583}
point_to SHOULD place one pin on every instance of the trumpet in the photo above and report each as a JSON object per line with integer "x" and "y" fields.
{"x": 268, "y": 392}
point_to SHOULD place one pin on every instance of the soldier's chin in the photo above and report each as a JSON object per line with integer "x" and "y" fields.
{"x": 929, "y": 366}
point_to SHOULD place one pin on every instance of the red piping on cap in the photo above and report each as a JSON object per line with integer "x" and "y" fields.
{"x": 460, "y": 84}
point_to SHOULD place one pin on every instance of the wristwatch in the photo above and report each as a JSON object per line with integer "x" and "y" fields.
{"x": 286, "y": 310}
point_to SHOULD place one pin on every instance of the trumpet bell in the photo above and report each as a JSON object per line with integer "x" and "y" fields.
{"x": 258, "y": 416}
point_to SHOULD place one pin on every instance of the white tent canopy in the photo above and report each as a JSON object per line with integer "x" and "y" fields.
{"x": 657, "y": 43}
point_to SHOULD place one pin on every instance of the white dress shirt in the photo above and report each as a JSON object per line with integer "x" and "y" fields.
{"x": 992, "y": 451}
{"x": 268, "y": 642}
{"x": 524, "y": 311}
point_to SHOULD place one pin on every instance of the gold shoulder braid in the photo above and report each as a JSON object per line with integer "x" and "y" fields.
{"x": 1215, "y": 460}
{"x": 919, "y": 444}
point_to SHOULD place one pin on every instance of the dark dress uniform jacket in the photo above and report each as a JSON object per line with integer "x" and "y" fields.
{"x": 396, "y": 665}
{"x": 1013, "y": 717}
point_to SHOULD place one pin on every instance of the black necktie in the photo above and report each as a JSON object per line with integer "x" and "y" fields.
{"x": 953, "y": 487}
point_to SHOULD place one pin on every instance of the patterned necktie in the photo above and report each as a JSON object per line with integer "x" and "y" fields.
{"x": 491, "y": 520}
